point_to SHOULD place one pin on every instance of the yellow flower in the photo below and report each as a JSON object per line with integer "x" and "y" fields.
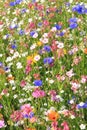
{"x": 64, "y": 51}
{"x": 29, "y": 57}
{"x": 39, "y": 43}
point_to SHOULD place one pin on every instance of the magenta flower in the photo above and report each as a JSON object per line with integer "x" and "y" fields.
{"x": 2, "y": 124}
{"x": 38, "y": 94}
{"x": 23, "y": 83}
{"x": 28, "y": 69}
{"x": 26, "y": 109}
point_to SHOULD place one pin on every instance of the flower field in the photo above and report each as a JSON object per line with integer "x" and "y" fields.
{"x": 43, "y": 64}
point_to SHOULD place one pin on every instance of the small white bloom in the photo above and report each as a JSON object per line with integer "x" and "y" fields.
{"x": 9, "y": 59}
{"x": 15, "y": 96}
{"x": 1, "y": 55}
{"x": 72, "y": 117}
{"x": 60, "y": 45}
{"x": 53, "y": 29}
{"x": 37, "y": 58}
{"x": 81, "y": 103}
{"x": 35, "y": 35}
{"x": 33, "y": 46}
{"x": 51, "y": 81}
{"x": 83, "y": 127}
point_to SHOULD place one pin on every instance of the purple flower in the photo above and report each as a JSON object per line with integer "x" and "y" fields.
{"x": 48, "y": 60}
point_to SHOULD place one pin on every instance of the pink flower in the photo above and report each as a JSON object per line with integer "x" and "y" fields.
{"x": 70, "y": 73}
{"x": 46, "y": 23}
{"x": 38, "y": 94}
{"x": 26, "y": 109}
{"x": 16, "y": 116}
{"x": 52, "y": 92}
{"x": 2, "y": 124}
{"x": 36, "y": 76}
{"x": 83, "y": 79}
{"x": 23, "y": 83}
{"x": 28, "y": 69}
{"x": 65, "y": 125}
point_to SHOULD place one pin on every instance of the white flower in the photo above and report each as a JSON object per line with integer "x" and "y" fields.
{"x": 45, "y": 40}
{"x": 19, "y": 65}
{"x": 1, "y": 55}
{"x": 33, "y": 46}
{"x": 51, "y": 81}
{"x": 10, "y": 64}
{"x": 11, "y": 82}
{"x": 11, "y": 51}
{"x": 70, "y": 1}
{"x": 35, "y": 35}
{"x": 9, "y": 59}
{"x": 24, "y": 54}
{"x": 53, "y": 29}
{"x": 72, "y": 117}
{"x": 81, "y": 103}
{"x": 83, "y": 127}
{"x": 60, "y": 45}
{"x": 16, "y": 54}
{"x": 30, "y": 20}
{"x": 71, "y": 101}
{"x": 45, "y": 35}
{"x": 37, "y": 58}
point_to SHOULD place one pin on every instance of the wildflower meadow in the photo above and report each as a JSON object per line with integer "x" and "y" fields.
{"x": 43, "y": 64}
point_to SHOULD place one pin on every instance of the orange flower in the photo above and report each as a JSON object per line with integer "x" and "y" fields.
{"x": 0, "y": 96}
{"x": 85, "y": 50}
{"x": 2, "y": 71}
{"x": 53, "y": 116}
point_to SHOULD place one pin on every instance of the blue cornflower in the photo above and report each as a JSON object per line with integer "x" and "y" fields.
{"x": 47, "y": 48}
{"x": 26, "y": 116}
{"x": 32, "y": 33}
{"x": 38, "y": 83}
{"x": 48, "y": 60}
{"x": 80, "y": 9}
{"x": 61, "y": 34}
{"x": 58, "y": 27}
{"x": 13, "y": 46}
{"x": 31, "y": 115}
{"x": 39, "y": 24}
{"x": 74, "y": 20}
{"x": 23, "y": 11}
{"x": 6, "y": 68}
{"x": 82, "y": 105}
{"x": 12, "y": 3}
{"x": 21, "y": 32}
{"x": 18, "y": 1}
{"x": 73, "y": 25}
{"x": 13, "y": 26}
